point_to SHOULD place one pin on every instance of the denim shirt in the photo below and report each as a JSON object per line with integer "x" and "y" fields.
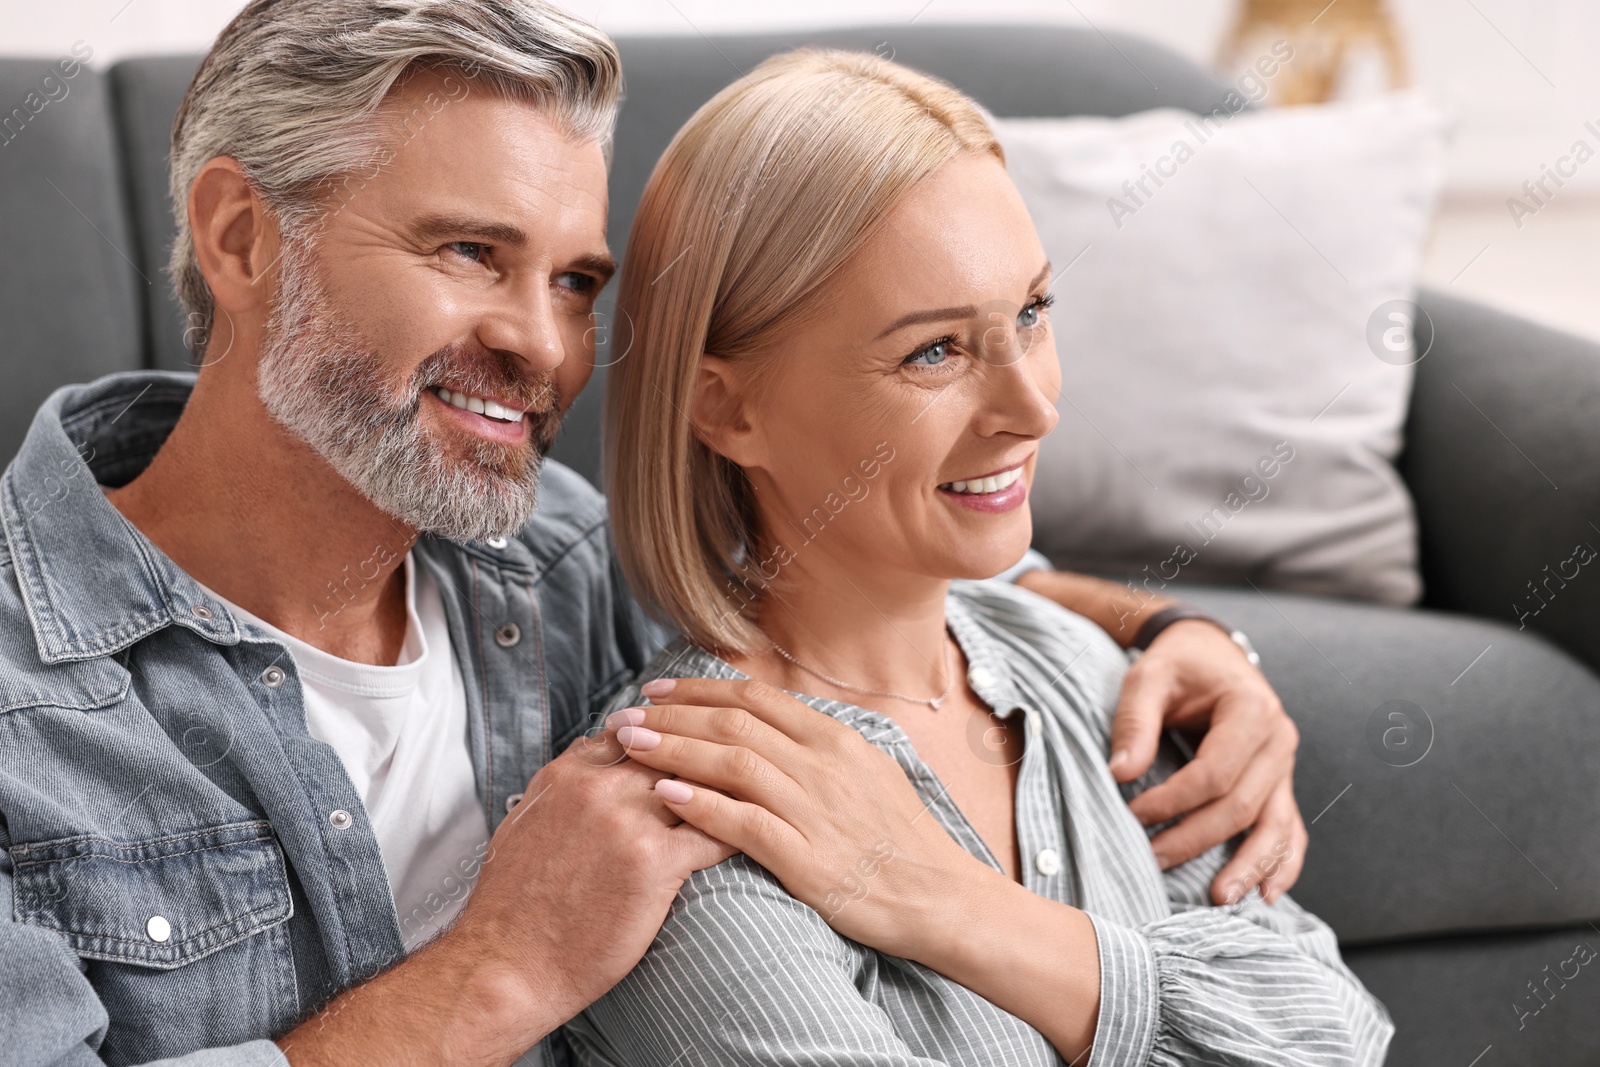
{"x": 185, "y": 873}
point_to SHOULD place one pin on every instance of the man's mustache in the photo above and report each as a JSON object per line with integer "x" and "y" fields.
{"x": 485, "y": 372}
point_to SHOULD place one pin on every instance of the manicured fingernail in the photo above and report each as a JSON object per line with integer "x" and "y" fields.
{"x": 638, "y": 738}
{"x": 1162, "y": 860}
{"x": 626, "y": 717}
{"x": 658, "y": 687}
{"x": 674, "y": 791}
{"x": 1119, "y": 759}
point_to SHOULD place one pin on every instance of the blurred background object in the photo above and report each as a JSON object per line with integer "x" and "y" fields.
{"x": 1332, "y": 40}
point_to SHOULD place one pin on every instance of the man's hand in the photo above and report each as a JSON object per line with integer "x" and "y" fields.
{"x": 1193, "y": 677}
{"x": 576, "y": 883}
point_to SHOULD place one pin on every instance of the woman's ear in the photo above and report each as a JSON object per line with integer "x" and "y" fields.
{"x": 720, "y": 409}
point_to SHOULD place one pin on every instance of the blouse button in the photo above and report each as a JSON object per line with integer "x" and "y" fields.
{"x": 507, "y": 635}
{"x": 496, "y": 542}
{"x": 158, "y": 928}
{"x": 340, "y": 818}
{"x": 272, "y": 677}
{"x": 1048, "y": 861}
{"x": 980, "y": 677}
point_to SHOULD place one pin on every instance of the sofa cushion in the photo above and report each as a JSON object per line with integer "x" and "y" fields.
{"x": 1452, "y": 998}
{"x": 1455, "y": 997}
{"x": 1447, "y": 765}
{"x": 69, "y": 287}
{"x": 1222, "y": 412}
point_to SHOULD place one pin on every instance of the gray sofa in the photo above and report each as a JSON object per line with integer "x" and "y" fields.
{"x": 1455, "y": 882}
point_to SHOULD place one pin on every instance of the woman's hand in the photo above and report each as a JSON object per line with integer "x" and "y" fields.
{"x": 835, "y": 819}
{"x": 832, "y": 816}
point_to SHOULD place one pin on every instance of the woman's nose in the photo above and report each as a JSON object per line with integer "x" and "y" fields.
{"x": 1024, "y": 386}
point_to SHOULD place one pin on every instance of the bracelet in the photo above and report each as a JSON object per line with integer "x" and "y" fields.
{"x": 1180, "y": 612}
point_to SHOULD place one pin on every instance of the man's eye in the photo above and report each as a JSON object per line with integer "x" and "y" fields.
{"x": 931, "y": 354}
{"x": 472, "y": 250}
{"x": 578, "y": 283}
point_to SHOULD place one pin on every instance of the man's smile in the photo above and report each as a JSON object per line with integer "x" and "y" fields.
{"x": 483, "y": 416}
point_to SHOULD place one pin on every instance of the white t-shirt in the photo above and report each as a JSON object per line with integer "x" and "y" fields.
{"x": 401, "y": 732}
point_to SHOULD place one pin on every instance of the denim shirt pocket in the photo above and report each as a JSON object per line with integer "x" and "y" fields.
{"x": 158, "y": 903}
{"x": 195, "y": 918}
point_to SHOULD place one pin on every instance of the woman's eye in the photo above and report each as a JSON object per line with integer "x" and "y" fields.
{"x": 472, "y": 250}
{"x": 1033, "y": 311}
{"x": 930, "y": 355}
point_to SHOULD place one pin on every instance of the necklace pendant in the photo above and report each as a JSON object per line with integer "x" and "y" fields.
{"x": 935, "y": 702}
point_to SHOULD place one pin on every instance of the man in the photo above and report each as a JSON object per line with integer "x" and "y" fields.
{"x": 292, "y": 661}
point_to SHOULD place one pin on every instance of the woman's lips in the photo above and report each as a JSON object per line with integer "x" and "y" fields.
{"x": 1008, "y": 499}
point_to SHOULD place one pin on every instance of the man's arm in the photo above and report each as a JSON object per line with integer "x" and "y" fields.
{"x": 1193, "y": 677}
{"x": 1115, "y": 607}
{"x": 575, "y": 886}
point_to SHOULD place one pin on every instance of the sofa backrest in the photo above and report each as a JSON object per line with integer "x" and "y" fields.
{"x": 73, "y": 285}
{"x": 83, "y": 294}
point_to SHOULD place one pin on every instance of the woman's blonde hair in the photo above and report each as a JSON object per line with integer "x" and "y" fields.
{"x": 760, "y": 198}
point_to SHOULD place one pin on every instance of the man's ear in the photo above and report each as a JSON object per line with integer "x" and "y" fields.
{"x": 235, "y": 239}
{"x": 721, "y": 416}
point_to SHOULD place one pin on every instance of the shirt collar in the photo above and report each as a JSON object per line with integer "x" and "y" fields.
{"x": 988, "y": 669}
{"x": 92, "y": 584}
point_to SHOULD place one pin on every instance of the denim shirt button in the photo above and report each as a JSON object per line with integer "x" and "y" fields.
{"x": 340, "y": 818}
{"x": 201, "y": 611}
{"x": 272, "y": 677}
{"x": 158, "y": 928}
{"x": 513, "y": 800}
{"x": 507, "y": 635}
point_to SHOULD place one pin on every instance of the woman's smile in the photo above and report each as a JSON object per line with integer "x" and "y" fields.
{"x": 998, "y": 491}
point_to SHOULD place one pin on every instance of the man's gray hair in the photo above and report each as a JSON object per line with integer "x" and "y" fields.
{"x": 290, "y": 89}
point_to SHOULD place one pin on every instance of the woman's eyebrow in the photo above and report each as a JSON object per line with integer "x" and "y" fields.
{"x": 965, "y": 311}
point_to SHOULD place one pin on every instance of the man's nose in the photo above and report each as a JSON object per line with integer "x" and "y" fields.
{"x": 523, "y": 322}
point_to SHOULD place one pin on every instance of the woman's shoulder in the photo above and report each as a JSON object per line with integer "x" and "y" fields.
{"x": 679, "y": 659}
{"x": 1045, "y": 647}
{"x": 1028, "y": 617}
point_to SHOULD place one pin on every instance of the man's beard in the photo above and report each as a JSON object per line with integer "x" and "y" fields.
{"x": 321, "y": 381}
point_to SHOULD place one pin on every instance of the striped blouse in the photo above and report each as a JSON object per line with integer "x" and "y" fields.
{"x": 742, "y": 973}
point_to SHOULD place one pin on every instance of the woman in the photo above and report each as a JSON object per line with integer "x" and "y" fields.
{"x": 828, "y": 423}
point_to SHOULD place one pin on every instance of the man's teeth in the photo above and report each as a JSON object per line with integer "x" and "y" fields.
{"x": 478, "y": 405}
{"x": 992, "y": 484}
